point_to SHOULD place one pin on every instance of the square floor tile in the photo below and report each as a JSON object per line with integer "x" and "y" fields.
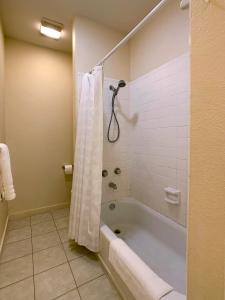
{"x": 23, "y": 290}
{"x": 73, "y": 295}
{"x": 61, "y": 213}
{"x": 73, "y": 250}
{"x": 18, "y": 235}
{"x": 54, "y": 282}
{"x": 63, "y": 233}
{"x": 86, "y": 268}
{"x": 18, "y": 223}
{"x": 36, "y": 219}
{"x": 62, "y": 223}
{"x": 45, "y": 241}
{"x": 42, "y": 228}
{"x": 16, "y": 270}
{"x": 16, "y": 250}
{"x": 99, "y": 289}
{"x": 48, "y": 258}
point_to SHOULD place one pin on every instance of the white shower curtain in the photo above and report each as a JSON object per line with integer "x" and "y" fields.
{"x": 87, "y": 179}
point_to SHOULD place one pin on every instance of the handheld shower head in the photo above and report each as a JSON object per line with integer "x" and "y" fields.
{"x": 121, "y": 84}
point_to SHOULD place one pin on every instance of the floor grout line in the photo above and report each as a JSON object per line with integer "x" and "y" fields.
{"x": 69, "y": 265}
{"x": 33, "y": 236}
{"x": 33, "y": 252}
{"x": 61, "y": 243}
{"x": 8, "y": 261}
{"x": 33, "y": 268}
{"x": 79, "y": 286}
{"x": 1, "y": 288}
{"x": 37, "y": 274}
{"x": 74, "y": 289}
{"x": 8, "y": 230}
{"x": 73, "y": 274}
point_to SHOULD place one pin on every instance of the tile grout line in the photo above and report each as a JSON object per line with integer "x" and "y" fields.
{"x": 67, "y": 262}
{"x": 92, "y": 280}
{"x": 33, "y": 252}
{"x": 32, "y": 260}
{"x": 1, "y": 288}
{"x": 17, "y": 241}
{"x": 61, "y": 243}
{"x": 50, "y": 268}
{"x": 8, "y": 261}
{"x": 44, "y": 249}
{"x": 8, "y": 230}
{"x": 7, "y": 243}
{"x": 78, "y": 286}
{"x": 74, "y": 289}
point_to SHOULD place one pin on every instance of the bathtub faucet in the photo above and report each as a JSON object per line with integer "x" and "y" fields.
{"x": 113, "y": 185}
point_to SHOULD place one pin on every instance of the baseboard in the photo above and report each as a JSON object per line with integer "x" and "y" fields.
{"x": 3, "y": 235}
{"x": 29, "y": 212}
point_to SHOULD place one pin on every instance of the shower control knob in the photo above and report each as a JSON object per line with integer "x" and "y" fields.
{"x": 117, "y": 171}
{"x": 104, "y": 173}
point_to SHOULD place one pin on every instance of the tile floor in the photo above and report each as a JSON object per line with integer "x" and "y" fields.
{"x": 39, "y": 263}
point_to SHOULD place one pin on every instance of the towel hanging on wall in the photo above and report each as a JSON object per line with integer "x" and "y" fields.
{"x": 6, "y": 179}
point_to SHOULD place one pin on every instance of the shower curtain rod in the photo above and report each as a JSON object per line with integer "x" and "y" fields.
{"x": 132, "y": 32}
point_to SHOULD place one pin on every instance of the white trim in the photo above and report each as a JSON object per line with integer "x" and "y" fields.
{"x": 4, "y": 233}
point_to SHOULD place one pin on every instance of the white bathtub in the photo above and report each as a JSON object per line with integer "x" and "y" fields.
{"x": 159, "y": 242}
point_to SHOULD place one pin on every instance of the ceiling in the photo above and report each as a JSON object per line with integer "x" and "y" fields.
{"x": 21, "y": 18}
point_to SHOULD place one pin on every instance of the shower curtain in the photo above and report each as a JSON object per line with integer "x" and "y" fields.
{"x": 85, "y": 207}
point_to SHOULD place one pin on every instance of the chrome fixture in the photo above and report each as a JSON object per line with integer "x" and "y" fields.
{"x": 105, "y": 173}
{"x": 112, "y": 206}
{"x": 117, "y": 171}
{"x": 184, "y": 4}
{"x": 121, "y": 84}
{"x": 113, "y": 186}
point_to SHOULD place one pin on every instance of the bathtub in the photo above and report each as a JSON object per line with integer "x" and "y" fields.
{"x": 157, "y": 240}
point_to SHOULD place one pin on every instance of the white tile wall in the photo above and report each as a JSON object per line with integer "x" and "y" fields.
{"x": 152, "y": 152}
{"x": 116, "y": 154}
{"x": 159, "y": 144}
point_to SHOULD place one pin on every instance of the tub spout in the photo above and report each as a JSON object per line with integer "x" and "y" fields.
{"x": 113, "y": 186}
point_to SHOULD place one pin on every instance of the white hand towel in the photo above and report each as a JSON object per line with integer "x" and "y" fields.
{"x": 143, "y": 283}
{"x": 6, "y": 180}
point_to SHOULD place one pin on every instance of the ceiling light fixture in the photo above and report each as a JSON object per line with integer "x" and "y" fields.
{"x": 51, "y": 29}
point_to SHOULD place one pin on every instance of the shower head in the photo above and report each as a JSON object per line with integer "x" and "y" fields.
{"x": 121, "y": 84}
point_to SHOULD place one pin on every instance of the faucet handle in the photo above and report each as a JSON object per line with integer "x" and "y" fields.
{"x": 104, "y": 173}
{"x": 117, "y": 171}
{"x": 113, "y": 185}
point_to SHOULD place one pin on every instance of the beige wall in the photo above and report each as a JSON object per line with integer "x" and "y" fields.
{"x": 38, "y": 123}
{"x": 92, "y": 42}
{"x": 3, "y": 205}
{"x": 164, "y": 37}
{"x": 206, "y": 233}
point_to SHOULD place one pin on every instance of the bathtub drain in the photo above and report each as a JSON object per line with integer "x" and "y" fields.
{"x": 117, "y": 231}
